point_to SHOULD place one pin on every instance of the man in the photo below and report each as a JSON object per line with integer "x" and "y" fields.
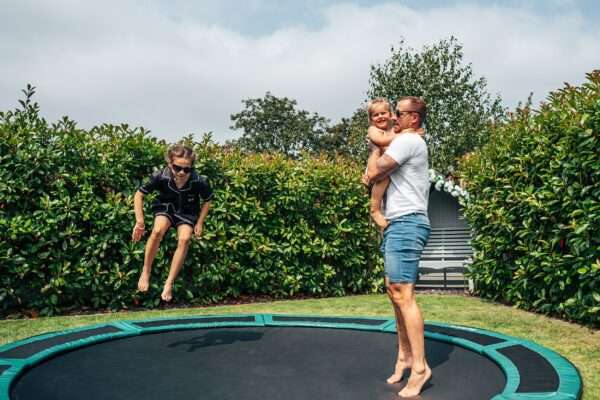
{"x": 406, "y": 162}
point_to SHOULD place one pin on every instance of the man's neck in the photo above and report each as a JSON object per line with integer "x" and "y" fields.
{"x": 409, "y": 130}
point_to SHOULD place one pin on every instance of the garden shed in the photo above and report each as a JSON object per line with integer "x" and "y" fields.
{"x": 449, "y": 249}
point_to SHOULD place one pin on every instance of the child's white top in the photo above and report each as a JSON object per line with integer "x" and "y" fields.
{"x": 408, "y": 191}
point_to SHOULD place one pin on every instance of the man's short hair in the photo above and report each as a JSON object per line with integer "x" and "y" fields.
{"x": 418, "y": 105}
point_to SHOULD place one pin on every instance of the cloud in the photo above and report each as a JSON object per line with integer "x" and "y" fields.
{"x": 148, "y": 65}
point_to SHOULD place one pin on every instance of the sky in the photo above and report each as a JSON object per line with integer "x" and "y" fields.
{"x": 177, "y": 67}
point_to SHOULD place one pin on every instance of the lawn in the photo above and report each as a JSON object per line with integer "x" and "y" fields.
{"x": 579, "y": 344}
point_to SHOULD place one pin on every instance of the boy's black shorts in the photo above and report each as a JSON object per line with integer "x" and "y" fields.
{"x": 168, "y": 210}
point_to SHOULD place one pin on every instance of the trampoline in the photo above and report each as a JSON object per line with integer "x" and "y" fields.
{"x": 267, "y": 357}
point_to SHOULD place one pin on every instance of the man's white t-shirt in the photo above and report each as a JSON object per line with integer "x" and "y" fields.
{"x": 408, "y": 191}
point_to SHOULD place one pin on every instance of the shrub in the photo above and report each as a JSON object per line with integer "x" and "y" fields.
{"x": 535, "y": 207}
{"x": 277, "y": 227}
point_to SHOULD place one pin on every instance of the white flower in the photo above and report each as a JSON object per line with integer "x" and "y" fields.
{"x": 432, "y": 175}
{"x": 448, "y": 186}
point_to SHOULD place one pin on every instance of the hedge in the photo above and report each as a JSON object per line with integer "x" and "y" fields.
{"x": 277, "y": 227}
{"x": 534, "y": 207}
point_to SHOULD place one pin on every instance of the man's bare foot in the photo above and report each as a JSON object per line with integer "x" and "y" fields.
{"x": 167, "y": 293}
{"x": 399, "y": 371}
{"x": 379, "y": 219}
{"x": 144, "y": 282}
{"x": 416, "y": 381}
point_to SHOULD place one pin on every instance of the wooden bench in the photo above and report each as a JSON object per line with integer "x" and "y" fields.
{"x": 444, "y": 260}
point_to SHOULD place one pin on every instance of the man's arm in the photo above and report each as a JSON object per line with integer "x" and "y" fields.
{"x": 379, "y": 165}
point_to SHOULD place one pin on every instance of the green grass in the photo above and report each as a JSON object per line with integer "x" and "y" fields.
{"x": 579, "y": 344}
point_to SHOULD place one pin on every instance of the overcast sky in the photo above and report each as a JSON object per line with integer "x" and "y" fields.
{"x": 177, "y": 67}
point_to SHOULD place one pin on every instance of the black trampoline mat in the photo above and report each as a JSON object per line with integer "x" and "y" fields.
{"x": 249, "y": 363}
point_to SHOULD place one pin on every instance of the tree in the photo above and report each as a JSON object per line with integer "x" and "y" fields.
{"x": 276, "y": 125}
{"x": 348, "y": 137}
{"x": 460, "y": 110}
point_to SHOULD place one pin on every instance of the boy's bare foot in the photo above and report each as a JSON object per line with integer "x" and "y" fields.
{"x": 379, "y": 219}
{"x": 144, "y": 282}
{"x": 167, "y": 293}
{"x": 416, "y": 381}
{"x": 399, "y": 371}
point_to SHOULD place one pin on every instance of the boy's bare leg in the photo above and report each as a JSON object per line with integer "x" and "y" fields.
{"x": 159, "y": 229}
{"x": 404, "y": 360}
{"x": 184, "y": 235}
{"x": 403, "y": 295}
{"x": 377, "y": 194}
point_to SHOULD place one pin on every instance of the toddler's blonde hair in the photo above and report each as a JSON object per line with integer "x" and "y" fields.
{"x": 378, "y": 100}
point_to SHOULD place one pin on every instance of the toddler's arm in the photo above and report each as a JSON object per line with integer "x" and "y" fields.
{"x": 379, "y": 137}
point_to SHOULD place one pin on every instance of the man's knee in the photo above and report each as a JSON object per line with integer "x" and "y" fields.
{"x": 402, "y": 294}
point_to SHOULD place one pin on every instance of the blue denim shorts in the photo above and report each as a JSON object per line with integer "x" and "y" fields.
{"x": 403, "y": 242}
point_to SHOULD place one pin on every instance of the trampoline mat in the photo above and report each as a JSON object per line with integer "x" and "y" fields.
{"x": 249, "y": 363}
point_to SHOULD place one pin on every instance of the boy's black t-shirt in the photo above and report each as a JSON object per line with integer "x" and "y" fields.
{"x": 185, "y": 200}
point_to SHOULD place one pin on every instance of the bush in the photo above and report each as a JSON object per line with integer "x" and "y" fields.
{"x": 535, "y": 207}
{"x": 277, "y": 227}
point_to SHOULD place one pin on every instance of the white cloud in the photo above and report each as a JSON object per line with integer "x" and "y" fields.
{"x": 132, "y": 62}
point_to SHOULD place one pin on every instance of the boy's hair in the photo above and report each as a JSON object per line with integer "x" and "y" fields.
{"x": 180, "y": 150}
{"x": 419, "y": 106}
{"x": 378, "y": 100}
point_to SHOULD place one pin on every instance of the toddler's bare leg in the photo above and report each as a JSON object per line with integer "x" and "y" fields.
{"x": 184, "y": 235}
{"x": 159, "y": 229}
{"x": 377, "y": 194}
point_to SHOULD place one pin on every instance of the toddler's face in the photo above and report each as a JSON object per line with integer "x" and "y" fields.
{"x": 380, "y": 116}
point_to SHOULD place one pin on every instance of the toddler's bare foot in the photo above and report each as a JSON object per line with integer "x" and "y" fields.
{"x": 416, "y": 381}
{"x": 399, "y": 371}
{"x": 167, "y": 293}
{"x": 144, "y": 282}
{"x": 379, "y": 219}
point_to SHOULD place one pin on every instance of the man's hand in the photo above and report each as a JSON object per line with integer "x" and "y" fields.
{"x": 138, "y": 232}
{"x": 197, "y": 230}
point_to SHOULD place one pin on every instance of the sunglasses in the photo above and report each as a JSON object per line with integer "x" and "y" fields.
{"x": 399, "y": 113}
{"x": 178, "y": 168}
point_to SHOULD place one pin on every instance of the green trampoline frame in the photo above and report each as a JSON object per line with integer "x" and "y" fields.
{"x": 570, "y": 384}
